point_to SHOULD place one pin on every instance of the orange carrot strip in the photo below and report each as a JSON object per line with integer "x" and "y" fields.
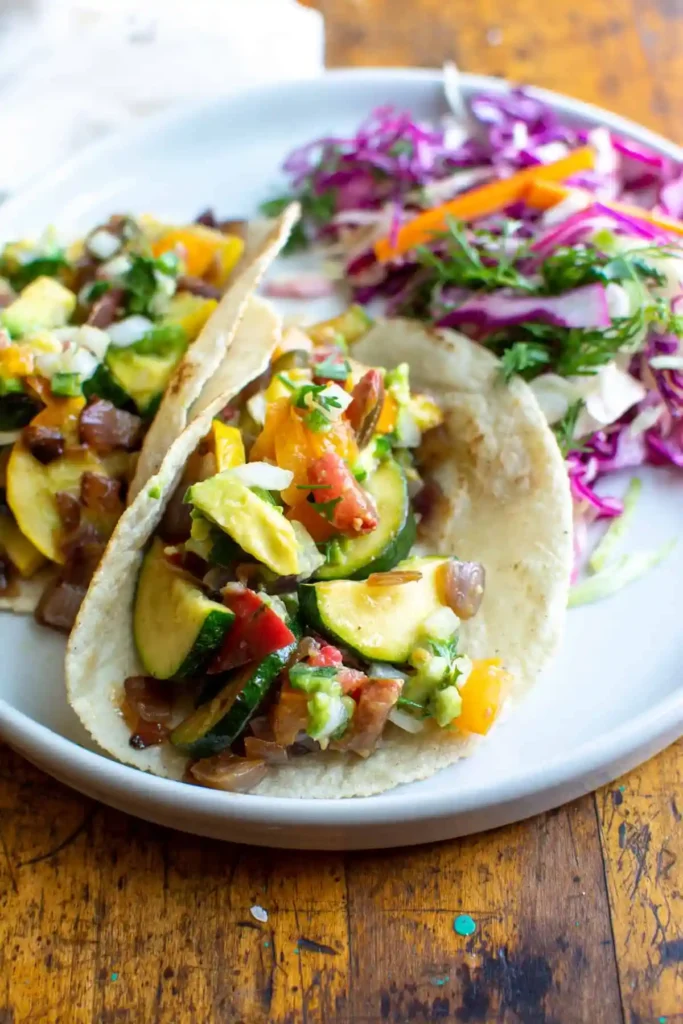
{"x": 544, "y": 194}
{"x": 480, "y": 202}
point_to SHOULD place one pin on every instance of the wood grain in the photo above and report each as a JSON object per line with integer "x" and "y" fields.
{"x": 107, "y": 920}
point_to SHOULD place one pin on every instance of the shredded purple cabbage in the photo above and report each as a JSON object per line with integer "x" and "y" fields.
{"x": 394, "y": 166}
{"x": 583, "y": 307}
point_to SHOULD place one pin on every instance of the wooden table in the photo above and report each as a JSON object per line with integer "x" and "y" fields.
{"x": 579, "y": 912}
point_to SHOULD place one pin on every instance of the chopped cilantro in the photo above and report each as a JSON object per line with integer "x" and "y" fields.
{"x": 564, "y": 430}
{"x": 521, "y": 357}
{"x": 326, "y": 508}
{"x": 331, "y": 370}
{"x": 155, "y": 491}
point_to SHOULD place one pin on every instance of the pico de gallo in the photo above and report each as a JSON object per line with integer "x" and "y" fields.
{"x": 90, "y": 335}
{"x": 283, "y": 591}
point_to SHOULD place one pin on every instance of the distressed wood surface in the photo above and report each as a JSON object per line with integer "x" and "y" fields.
{"x": 579, "y": 919}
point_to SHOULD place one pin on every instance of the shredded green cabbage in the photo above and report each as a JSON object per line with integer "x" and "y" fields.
{"x": 615, "y": 577}
{"x": 618, "y": 527}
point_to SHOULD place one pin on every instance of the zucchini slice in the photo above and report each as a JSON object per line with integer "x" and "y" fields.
{"x": 379, "y": 623}
{"x": 216, "y": 725}
{"x": 176, "y": 627}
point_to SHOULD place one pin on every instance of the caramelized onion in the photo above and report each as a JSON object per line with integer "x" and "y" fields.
{"x": 366, "y": 406}
{"x": 195, "y": 286}
{"x": 100, "y": 493}
{"x": 5, "y": 569}
{"x": 269, "y": 751}
{"x": 104, "y": 311}
{"x": 103, "y": 427}
{"x": 69, "y": 509}
{"x": 228, "y": 772}
{"x": 393, "y": 579}
{"x": 463, "y": 587}
{"x": 44, "y": 443}
{"x": 59, "y": 604}
{"x": 147, "y": 710}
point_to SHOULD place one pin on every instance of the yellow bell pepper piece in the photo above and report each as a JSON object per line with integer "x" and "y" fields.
{"x": 228, "y": 446}
{"x": 191, "y": 312}
{"x": 16, "y": 361}
{"x": 228, "y": 254}
{"x": 25, "y": 558}
{"x": 425, "y": 412}
{"x": 276, "y": 389}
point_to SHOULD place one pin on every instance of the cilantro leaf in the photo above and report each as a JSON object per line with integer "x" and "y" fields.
{"x": 564, "y": 430}
{"x": 326, "y": 508}
{"x": 523, "y": 356}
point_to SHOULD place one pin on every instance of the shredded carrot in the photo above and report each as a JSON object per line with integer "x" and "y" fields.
{"x": 480, "y": 202}
{"x": 544, "y": 194}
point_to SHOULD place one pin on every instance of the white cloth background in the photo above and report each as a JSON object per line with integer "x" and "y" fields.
{"x": 74, "y": 70}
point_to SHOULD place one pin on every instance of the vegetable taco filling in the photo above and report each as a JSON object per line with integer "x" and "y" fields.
{"x": 91, "y": 336}
{"x": 302, "y": 596}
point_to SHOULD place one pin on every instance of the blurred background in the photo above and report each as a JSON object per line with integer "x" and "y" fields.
{"x": 73, "y": 70}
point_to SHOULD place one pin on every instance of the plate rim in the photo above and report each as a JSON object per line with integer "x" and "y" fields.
{"x": 644, "y": 734}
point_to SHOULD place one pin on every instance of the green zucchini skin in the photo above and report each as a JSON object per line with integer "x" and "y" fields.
{"x": 391, "y": 541}
{"x": 215, "y": 725}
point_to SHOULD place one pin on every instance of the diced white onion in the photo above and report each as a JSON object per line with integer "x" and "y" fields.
{"x": 78, "y": 360}
{"x": 574, "y": 202}
{"x": 441, "y": 624}
{"x": 618, "y": 301}
{"x": 382, "y": 670}
{"x": 103, "y": 244}
{"x": 409, "y": 435}
{"x": 646, "y": 419}
{"x": 257, "y": 407}
{"x": 92, "y": 338}
{"x": 127, "y": 332}
{"x": 117, "y": 267}
{"x": 405, "y": 721}
{"x": 262, "y": 474}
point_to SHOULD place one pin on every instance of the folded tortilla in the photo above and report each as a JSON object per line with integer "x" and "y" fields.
{"x": 507, "y": 505}
{"x": 205, "y": 361}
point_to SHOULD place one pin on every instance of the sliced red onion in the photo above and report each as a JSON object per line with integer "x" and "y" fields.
{"x": 582, "y": 307}
{"x": 304, "y": 286}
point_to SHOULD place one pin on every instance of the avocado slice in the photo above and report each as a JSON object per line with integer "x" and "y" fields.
{"x": 256, "y": 525}
{"x": 379, "y": 623}
{"x": 176, "y": 627}
{"x": 44, "y": 303}
{"x": 215, "y": 726}
{"x": 348, "y": 327}
{"x": 390, "y": 542}
{"x": 143, "y": 377}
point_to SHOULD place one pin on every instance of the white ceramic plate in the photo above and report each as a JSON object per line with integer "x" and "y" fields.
{"x": 611, "y": 700}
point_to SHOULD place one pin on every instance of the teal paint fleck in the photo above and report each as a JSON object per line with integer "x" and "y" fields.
{"x": 622, "y": 789}
{"x": 266, "y": 943}
{"x": 114, "y": 976}
{"x": 662, "y": 1020}
{"x": 465, "y": 925}
{"x": 440, "y": 981}
{"x": 296, "y": 950}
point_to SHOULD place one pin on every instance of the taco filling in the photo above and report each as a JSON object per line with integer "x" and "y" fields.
{"x": 284, "y": 597}
{"x": 90, "y": 336}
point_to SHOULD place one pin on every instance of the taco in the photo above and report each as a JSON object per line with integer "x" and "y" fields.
{"x": 374, "y": 559}
{"x": 103, "y": 348}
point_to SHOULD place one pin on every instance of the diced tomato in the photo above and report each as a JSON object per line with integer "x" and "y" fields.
{"x": 354, "y": 511}
{"x": 372, "y": 710}
{"x": 326, "y": 657}
{"x": 256, "y": 632}
{"x": 319, "y": 528}
{"x": 482, "y": 696}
